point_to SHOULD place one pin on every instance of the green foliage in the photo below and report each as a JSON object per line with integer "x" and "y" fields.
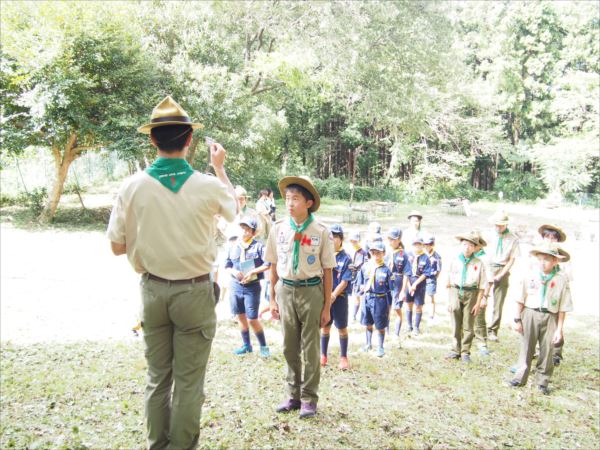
{"x": 517, "y": 186}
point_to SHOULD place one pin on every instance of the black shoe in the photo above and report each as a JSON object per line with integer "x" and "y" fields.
{"x": 556, "y": 360}
{"x": 452, "y": 355}
{"x": 543, "y": 389}
{"x": 514, "y": 383}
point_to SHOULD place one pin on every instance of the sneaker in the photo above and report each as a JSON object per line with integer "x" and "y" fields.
{"x": 367, "y": 348}
{"x": 380, "y": 352}
{"x": 492, "y": 337}
{"x": 243, "y": 350}
{"x": 556, "y": 360}
{"x": 265, "y": 352}
{"x": 452, "y": 355}
{"x": 416, "y": 332}
{"x": 483, "y": 351}
{"x": 289, "y": 405}
{"x": 344, "y": 365}
{"x": 466, "y": 358}
{"x": 543, "y": 389}
{"x": 514, "y": 383}
{"x": 307, "y": 410}
{"x": 323, "y": 360}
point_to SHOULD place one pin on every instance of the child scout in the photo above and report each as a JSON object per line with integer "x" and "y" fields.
{"x": 541, "y": 311}
{"x": 397, "y": 261}
{"x": 435, "y": 261}
{"x": 245, "y": 263}
{"x": 300, "y": 250}
{"x": 466, "y": 282}
{"x": 376, "y": 283}
{"x": 503, "y": 252}
{"x": 420, "y": 269}
{"x": 359, "y": 257}
{"x": 342, "y": 278}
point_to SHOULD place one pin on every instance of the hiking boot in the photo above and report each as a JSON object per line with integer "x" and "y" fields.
{"x": 323, "y": 360}
{"x": 466, "y": 358}
{"x": 307, "y": 410}
{"x": 243, "y": 350}
{"x": 265, "y": 352}
{"x": 543, "y": 389}
{"x": 452, "y": 355}
{"x": 514, "y": 383}
{"x": 344, "y": 365}
{"x": 556, "y": 360}
{"x": 289, "y": 405}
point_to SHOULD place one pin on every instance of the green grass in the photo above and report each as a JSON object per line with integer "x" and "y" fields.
{"x": 89, "y": 395}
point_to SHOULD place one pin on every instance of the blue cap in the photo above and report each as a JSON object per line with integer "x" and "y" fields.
{"x": 377, "y": 245}
{"x": 375, "y": 227}
{"x": 377, "y": 238}
{"x": 428, "y": 239}
{"x": 394, "y": 233}
{"x": 336, "y": 228}
{"x": 418, "y": 239}
{"x": 249, "y": 221}
{"x": 354, "y": 236}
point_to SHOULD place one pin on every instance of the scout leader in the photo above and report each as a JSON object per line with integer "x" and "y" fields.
{"x": 466, "y": 282}
{"x": 301, "y": 254}
{"x": 342, "y": 277}
{"x": 541, "y": 311}
{"x": 504, "y": 249}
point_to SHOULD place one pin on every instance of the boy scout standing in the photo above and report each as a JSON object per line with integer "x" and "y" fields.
{"x": 163, "y": 219}
{"x": 301, "y": 254}
{"x": 465, "y": 285}
{"x": 542, "y": 307}
{"x": 504, "y": 249}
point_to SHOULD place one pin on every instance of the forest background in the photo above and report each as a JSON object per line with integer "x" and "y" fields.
{"x": 396, "y": 100}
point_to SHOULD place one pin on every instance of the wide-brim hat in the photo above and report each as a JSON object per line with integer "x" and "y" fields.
{"x": 562, "y": 236}
{"x": 306, "y": 183}
{"x": 549, "y": 249}
{"x": 415, "y": 213}
{"x": 566, "y": 255}
{"x": 482, "y": 242}
{"x": 499, "y": 218}
{"x": 168, "y": 112}
{"x": 470, "y": 236}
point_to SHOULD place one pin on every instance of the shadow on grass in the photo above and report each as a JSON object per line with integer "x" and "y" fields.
{"x": 66, "y": 218}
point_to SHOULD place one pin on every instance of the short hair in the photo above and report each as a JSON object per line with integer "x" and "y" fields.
{"x": 300, "y": 190}
{"x": 340, "y": 235}
{"x": 171, "y": 138}
{"x": 269, "y": 191}
{"x": 263, "y": 192}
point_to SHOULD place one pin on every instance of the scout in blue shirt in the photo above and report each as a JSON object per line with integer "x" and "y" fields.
{"x": 245, "y": 263}
{"x": 397, "y": 261}
{"x": 435, "y": 260}
{"x": 376, "y": 283}
{"x": 342, "y": 277}
{"x": 420, "y": 269}
{"x": 358, "y": 259}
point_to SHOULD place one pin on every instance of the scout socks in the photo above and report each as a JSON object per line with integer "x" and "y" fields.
{"x": 324, "y": 344}
{"x": 355, "y": 310}
{"x": 246, "y": 338}
{"x": 398, "y": 325}
{"x": 409, "y": 318}
{"x": 261, "y": 338}
{"x": 418, "y": 320}
{"x": 369, "y": 336}
{"x": 381, "y": 339}
{"x": 343, "y": 346}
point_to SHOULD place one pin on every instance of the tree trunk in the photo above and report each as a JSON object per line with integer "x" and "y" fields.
{"x": 62, "y": 162}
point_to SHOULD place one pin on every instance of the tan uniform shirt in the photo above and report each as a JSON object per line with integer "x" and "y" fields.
{"x": 475, "y": 273}
{"x": 510, "y": 249}
{"x": 169, "y": 234}
{"x": 558, "y": 292}
{"x": 316, "y": 250}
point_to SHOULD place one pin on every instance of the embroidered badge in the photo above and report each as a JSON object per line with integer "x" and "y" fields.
{"x": 305, "y": 240}
{"x": 315, "y": 240}
{"x": 311, "y": 259}
{"x": 552, "y": 284}
{"x": 475, "y": 268}
{"x": 281, "y": 238}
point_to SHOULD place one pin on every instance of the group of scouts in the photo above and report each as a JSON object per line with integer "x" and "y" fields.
{"x": 377, "y": 279}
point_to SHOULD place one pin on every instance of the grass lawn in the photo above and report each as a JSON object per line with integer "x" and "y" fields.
{"x": 89, "y": 395}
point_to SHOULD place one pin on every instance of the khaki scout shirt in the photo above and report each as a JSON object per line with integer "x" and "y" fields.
{"x": 475, "y": 273}
{"x": 510, "y": 249}
{"x": 169, "y": 234}
{"x": 316, "y": 250}
{"x": 558, "y": 292}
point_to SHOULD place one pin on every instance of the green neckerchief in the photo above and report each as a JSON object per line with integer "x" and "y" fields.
{"x": 499, "y": 246}
{"x": 463, "y": 277}
{"x": 479, "y": 253}
{"x": 545, "y": 279}
{"x": 172, "y": 173}
{"x": 244, "y": 209}
{"x": 297, "y": 238}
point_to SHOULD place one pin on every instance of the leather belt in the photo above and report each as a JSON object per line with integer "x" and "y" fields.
{"x": 199, "y": 279}
{"x": 542, "y": 310}
{"x": 301, "y": 283}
